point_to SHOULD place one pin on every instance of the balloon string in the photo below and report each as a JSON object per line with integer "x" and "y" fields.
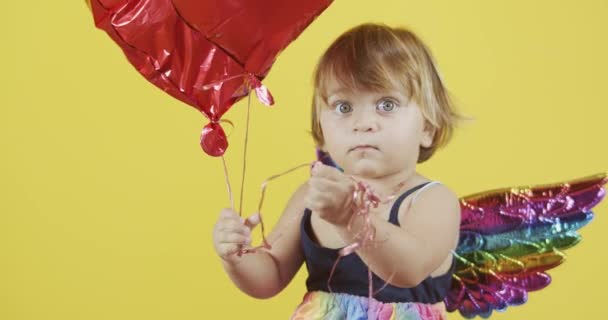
{"x": 245, "y": 154}
{"x": 265, "y": 243}
{"x": 228, "y": 183}
{"x": 241, "y": 249}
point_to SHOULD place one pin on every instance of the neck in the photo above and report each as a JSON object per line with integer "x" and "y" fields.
{"x": 392, "y": 184}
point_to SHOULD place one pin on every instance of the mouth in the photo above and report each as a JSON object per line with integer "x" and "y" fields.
{"x": 363, "y": 147}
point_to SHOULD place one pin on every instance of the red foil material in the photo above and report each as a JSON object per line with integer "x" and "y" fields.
{"x": 206, "y": 53}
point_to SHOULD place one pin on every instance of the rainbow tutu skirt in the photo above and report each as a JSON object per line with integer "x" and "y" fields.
{"x": 341, "y": 306}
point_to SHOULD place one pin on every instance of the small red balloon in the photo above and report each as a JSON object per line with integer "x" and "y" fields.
{"x": 213, "y": 140}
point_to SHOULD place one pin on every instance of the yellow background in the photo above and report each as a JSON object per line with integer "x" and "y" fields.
{"x": 107, "y": 201}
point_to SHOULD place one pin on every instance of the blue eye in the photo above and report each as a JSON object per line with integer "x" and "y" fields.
{"x": 387, "y": 105}
{"x": 342, "y": 107}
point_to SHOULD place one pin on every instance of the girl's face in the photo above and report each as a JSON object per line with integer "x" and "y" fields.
{"x": 372, "y": 134}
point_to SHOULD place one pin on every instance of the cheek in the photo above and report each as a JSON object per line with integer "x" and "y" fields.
{"x": 404, "y": 137}
{"x": 402, "y": 127}
{"x": 411, "y": 126}
{"x": 328, "y": 128}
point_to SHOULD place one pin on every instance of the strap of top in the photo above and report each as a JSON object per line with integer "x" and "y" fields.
{"x": 393, "y": 218}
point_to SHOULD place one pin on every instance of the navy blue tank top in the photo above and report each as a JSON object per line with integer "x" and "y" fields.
{"x": 351, "y": 274}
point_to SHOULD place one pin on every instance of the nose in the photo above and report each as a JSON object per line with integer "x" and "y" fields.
{"x": 365, "y": 122}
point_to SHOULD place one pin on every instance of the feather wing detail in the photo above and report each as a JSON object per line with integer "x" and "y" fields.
{"x": 510, "y": 237}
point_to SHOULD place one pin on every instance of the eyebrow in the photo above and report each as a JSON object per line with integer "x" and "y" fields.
{"x": 336, "y": 92}
{"x": 385, "y": 93}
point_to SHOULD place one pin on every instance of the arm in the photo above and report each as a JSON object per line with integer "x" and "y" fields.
{"x": 406, "y": 255}
{"x": 265, "y": 273}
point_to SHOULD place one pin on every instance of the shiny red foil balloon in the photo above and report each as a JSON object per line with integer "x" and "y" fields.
{"x": 206, "y": 53}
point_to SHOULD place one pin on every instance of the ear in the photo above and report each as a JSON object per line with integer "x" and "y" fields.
{"x": 428, "y": 133}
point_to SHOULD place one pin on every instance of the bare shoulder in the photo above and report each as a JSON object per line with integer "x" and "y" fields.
{"x": 433, "y": 201}
{"x": 438, "y": 192}
{"x": 433, "y": 217}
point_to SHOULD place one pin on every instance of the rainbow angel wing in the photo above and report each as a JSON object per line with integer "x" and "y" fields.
{"x": 510, "y": 237}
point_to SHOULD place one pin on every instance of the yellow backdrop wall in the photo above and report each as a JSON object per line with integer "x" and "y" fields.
{"x": 107, "y": 201}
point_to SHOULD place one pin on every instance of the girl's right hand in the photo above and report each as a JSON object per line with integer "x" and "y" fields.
{"x": 330, "y": 194}
{"x": 232, "y": 233}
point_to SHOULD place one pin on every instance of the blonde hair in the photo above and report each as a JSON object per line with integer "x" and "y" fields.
{"x": 378, "y": 57}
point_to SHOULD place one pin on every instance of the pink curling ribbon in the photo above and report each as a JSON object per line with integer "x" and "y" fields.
{"x": 364, "y": 198}
{"x": 265, "y": 244}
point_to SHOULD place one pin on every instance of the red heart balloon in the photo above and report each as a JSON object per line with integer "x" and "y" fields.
{"x": 208, "y": 54}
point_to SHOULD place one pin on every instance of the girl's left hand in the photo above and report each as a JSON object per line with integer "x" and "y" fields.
{"x": 330, "y": 194}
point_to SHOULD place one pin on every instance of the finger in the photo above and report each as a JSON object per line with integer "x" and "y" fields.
{"x": 230, "y": 222}
{"x": 347, "y": 188}
{"x": 318, "y": 196}
{"x": 253, "y": 220}
{"x": 234, "y": 238}
{"x": 227, "y": 223}
{"x": 241, "y": 229}
{"x": 315, "y": 206}
{"x": 228, "y": 249}
{"x": 323, "y": 184}
{"x": 322, "y": 170}
{"x": 318, "y": 200}
{"x": 228, "y": 214}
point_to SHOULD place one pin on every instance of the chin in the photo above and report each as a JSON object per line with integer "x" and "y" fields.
{"x": 366, "y": 170}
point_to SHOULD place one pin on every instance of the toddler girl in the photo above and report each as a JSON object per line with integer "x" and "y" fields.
{"x": 379, "y": 108}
